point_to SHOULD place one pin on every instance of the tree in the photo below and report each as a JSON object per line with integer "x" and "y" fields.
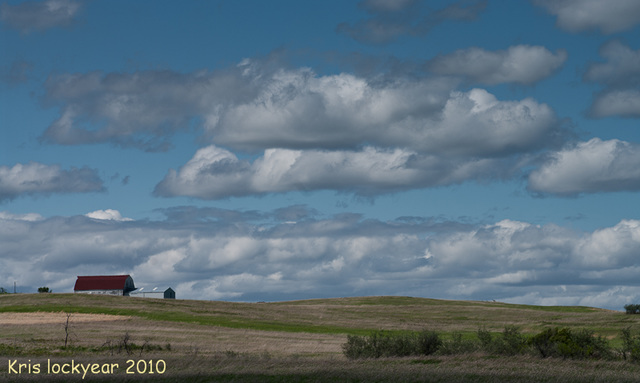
{"x": 43, "y": 289}
{"x": 632, "y": 308}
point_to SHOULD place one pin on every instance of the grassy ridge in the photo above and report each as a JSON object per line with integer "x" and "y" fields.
{"x": 354, "y": 316}
{"x": 300, "y": 341}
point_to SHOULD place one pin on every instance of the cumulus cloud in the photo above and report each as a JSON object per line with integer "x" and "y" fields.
{"x": 589, "y": 167}
{"x": 620, "y": 75}
{"x": 415, "y": 139}
{"x": 523, "y": 64}
{"x": 339, "y": 132}
{"x": 390, "y": 20}
{"x": 39, "y": 15}
{"x": 251, "y": 107}
{"x": 265, "y": 256}
{"x": 344, "y": 111}
{"x": 568, "y": 267}
{"x": 107, "y": 215}
{"x": 215, "y": 173}
{"x": 39, "y": 179}
{"x": 580, "y": 15}
{"x": 144, "y": 108}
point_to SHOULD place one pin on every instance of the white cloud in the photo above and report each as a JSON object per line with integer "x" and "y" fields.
{"x": 335, "y": 256}
{"x": 522, "y": 64}
{"x": 415, "y": 139}
{"x": 40, "y": 179}
{"x": 39, "y": 15}
{"x": 108, "y": 215}
{"x": 589, "y": 167}
{"x": 611, "y": 247}
{"x": 609, "y": 16}
{"x": 215, "y": 173}
{"x": 300, "y": 110}
{"x": 251, "y": 107}
{"x": 31, "y": 217}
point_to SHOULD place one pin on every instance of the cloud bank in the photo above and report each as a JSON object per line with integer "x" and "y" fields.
{"x": 215, "y": 173}
{"x": 339, "y": 132}
{"x": 267, "y": 256}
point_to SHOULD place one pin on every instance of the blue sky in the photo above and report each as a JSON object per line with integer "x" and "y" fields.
{"x": 253, "y": 150}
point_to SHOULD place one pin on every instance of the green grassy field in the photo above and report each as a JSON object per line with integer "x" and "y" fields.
{"x": 288, "y": 341}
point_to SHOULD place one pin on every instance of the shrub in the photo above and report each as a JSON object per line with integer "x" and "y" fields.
{"x": 630, "y": 345}
{"x": 428, "y": 342}
{"x": 485, "y": 338}
{"x": 384, "y": 344}
{"x": 542, "y": 342}
{"x": 591, "y": 345}
{"x": 356, "y": 347}
{"x": 458, "y": 345}
{"x": 567, "y": 344}
{"x": 511, "y": 341}
{"x": 552, "y": 342}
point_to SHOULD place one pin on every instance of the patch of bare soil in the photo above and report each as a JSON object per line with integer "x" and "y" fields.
{"x": 49, "y": 318}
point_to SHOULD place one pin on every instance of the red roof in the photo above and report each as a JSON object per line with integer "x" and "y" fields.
{"x": 101, "y": 282}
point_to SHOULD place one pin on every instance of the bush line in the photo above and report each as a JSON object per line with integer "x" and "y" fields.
{"x": 552, "y": 342}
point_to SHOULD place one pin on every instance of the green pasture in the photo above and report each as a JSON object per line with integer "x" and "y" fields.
{"x": 355, "y": 316}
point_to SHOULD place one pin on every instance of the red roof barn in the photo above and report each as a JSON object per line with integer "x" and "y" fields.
{"x": 104, "y": 284}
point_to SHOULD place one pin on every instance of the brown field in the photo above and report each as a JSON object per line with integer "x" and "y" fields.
{"x": 25, "y": 319}
{"x": 285, "y": 341}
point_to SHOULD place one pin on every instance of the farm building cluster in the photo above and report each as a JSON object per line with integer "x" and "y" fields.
{"x": 119, "y": 285}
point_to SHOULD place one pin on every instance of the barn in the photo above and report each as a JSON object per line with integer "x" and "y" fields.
{"x": 105, "y": 284}
{"x": 156, "y": 292}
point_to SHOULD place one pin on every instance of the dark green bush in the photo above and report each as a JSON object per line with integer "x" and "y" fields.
{"x": 458, "y": 345}
{"x": 356, "y": 347}
{"x": 543, "y": 343}
{"x": 485, "y": 338}
{"x": 562, "y": 342}
{"x": 510, "y": 342}
{"x": 385, "y": 344}
{"x": 552, "y": 342}
{"x": 428, "y": 342}
{"x": 630, "y": 345}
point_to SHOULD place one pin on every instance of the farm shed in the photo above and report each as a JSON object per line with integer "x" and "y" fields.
{"x": 105, "y": 284}
{"x": 156, "y": 292}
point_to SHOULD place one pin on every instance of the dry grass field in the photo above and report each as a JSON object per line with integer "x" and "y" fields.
{"x": 297, "y": 341}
